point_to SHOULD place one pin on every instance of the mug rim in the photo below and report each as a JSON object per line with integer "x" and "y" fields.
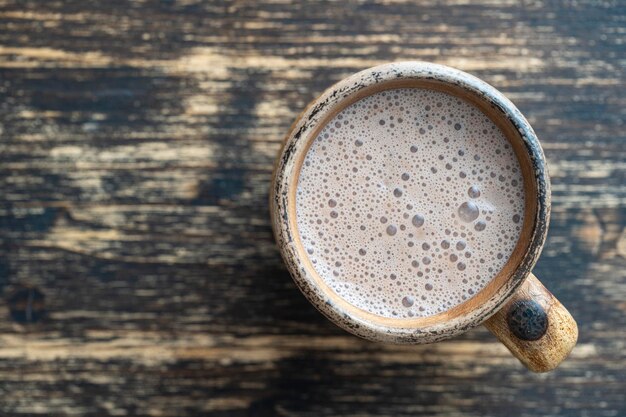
{"x": 286, "y": 171}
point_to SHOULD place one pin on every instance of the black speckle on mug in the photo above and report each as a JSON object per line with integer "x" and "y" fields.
{"x": 527, "y": 320}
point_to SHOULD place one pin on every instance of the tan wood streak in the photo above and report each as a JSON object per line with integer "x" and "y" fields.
{"x": 152, "y": 347}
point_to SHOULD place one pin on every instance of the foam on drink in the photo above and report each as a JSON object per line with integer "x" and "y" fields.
{"x": 409, "y": 202}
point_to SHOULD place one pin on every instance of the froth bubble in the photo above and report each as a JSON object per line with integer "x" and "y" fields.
{"x": 332, "y": 203}
{"x": 383, "y": 220}
{"x": 473, "y": 192}
{"x": 418, "y": 220}
{"x": 408, "y": 301}
{"x": 480, "y": 226}
{"x": 445, "y": 244}
{"x": 413, "y": 149}
{"x": 397, "y": 192}
{"x": 334, "y": 214}
{"x": 516, "y": 218}
{"x": 405, "y": 176}
{"x": 428, "y": 287}
{"x": 468, "y": 211}
{"x": 460, "y": 245}
{"x": 362, "y": 252}
{"x": 391, "y": 230}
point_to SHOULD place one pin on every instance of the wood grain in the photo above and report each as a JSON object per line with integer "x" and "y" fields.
{"x": 137, "y": 142}
{"x": 535, "y": 327}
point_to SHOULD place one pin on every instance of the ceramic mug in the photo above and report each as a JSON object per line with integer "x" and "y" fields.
{"x": 515, "y": 306}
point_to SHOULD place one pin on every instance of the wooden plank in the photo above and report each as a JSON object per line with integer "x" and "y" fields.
{"x": 137, "y": 142}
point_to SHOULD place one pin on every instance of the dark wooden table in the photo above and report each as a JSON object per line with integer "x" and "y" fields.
{"x": 137, "y": 267}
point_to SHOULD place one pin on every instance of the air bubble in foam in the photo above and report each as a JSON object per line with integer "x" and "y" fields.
{"x": 468, "y": 211}
{"x": 418, "y": 220}
{"x": 408, "y": 301}
{"x": 473, "y": 192}
{"x": 409, "y": 218}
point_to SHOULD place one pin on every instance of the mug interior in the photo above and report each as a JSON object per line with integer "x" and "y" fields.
{"x": 514, "y": 127}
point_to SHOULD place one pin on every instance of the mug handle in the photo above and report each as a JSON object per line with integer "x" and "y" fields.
{"x": 535, "y": 327}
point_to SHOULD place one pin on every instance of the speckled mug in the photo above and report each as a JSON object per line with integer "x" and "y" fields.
{"x": 515, "y": 306}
